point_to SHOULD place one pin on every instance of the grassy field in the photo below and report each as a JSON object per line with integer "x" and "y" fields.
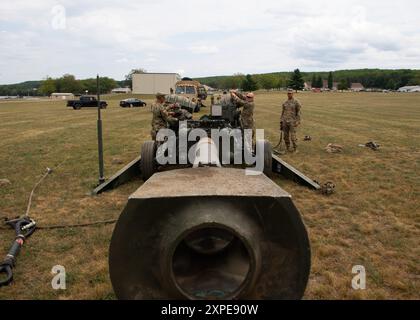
{"x": 373, "y": 219}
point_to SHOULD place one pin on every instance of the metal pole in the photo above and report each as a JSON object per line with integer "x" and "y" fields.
{"x": 100, "y": 142}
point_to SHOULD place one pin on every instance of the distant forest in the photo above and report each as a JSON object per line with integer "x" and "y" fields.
{"x": 67, "y": 83}
{"x": 370, "y": 78}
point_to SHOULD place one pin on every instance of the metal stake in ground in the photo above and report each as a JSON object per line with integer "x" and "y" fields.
{"x": 100, "y": 141}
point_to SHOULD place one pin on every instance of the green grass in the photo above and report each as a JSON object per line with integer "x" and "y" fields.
{"x": 373, "y": 219}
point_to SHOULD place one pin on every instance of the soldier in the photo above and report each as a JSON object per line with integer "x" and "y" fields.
{"x": 247, "y": 114}
{"x": 176, "y": 113}
{"x": 290, "y": 120}
{"x": 160, "y": 115}
{"x": 247, "y": 104}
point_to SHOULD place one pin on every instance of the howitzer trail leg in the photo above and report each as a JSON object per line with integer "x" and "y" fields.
{"x": 289, "y": 172}
{"x": 124, "y": 175}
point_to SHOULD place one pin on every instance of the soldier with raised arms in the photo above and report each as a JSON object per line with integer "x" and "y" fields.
{"x": 246, "y": 102}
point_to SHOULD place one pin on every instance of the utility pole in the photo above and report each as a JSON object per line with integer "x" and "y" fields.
{"x": 100, "y": 141}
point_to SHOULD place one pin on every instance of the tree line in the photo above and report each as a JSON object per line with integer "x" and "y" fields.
{"x": 67, "y": 83}
{"x": 369, "y": 78}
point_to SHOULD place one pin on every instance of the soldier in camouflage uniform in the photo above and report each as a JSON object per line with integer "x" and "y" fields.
{"x": 290, "y": 120}
{"x": 160, "y": 115}
{"x": 176, "y": 113}
{"x": 246, "y": 102}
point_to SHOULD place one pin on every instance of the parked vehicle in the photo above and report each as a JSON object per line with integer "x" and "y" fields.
{"x": 191, "y": 89}
{"x": 132, "y": 102}
{"x": 86, "y": 101}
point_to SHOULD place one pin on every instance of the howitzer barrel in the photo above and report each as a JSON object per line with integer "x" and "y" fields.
{"x": 206, "y": 153}
{"x": 209, "y": 233}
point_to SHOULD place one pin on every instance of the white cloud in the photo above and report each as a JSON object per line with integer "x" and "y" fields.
{"x": 122, "y": 60}
{"x": 204, "y": 49}
{"x": 205, "y": 37}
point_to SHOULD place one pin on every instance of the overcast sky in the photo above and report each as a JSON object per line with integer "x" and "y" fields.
{"x": 201, "y": 37}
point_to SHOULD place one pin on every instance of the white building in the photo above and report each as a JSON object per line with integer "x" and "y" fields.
{"x": 62, "y": 96}
{"x": 121, "y": 90}
{"x": 409, "y": 89}
{"x": 357, "y": 87}
{"x": 152, "y": 83}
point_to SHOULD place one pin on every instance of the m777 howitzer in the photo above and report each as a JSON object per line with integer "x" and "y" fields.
{"x": 208, "y": 231}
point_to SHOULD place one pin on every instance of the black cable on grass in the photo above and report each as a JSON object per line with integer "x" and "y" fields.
{"x": 25, "y": 227}
{"x": 79, "y": 225}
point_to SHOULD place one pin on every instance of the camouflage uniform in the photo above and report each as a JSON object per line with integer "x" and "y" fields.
{"x": 247, "y": 114}
{"x": 289, "y": 120}
{"x": 185, "y": 115}
{"x": 160, "y": 118}
{"x": 176, "y": 113}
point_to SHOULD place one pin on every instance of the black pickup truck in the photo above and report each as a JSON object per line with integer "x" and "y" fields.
{"x": 86, "y": 101}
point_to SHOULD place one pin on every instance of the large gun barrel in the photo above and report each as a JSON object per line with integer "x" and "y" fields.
{"x": 209, "y": 233}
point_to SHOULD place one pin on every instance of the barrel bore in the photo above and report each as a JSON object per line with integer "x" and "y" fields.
{"x": 212, "y": 263}
{"x": 210, "y": 250}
